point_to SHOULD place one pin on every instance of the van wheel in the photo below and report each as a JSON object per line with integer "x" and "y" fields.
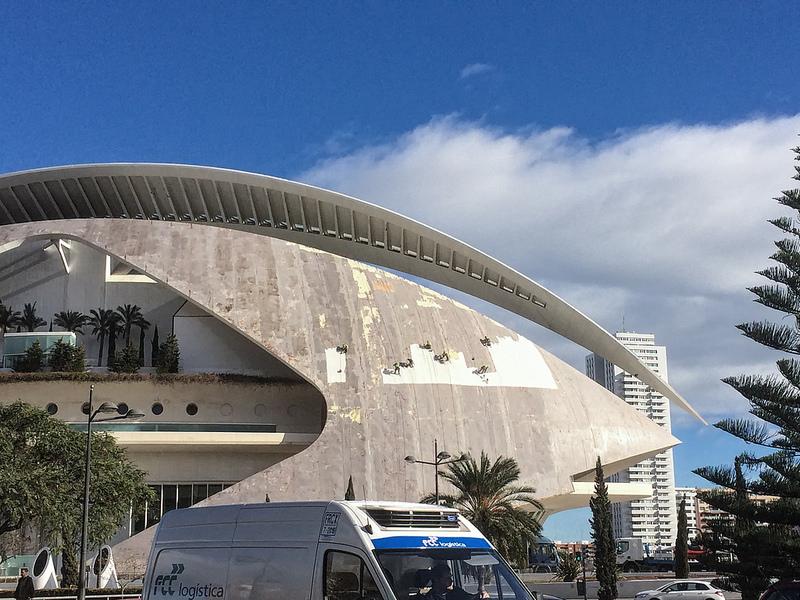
{"x": 630, "y": 567}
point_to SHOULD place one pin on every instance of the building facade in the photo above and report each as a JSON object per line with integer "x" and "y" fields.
{"x": 305, "y": 362}
{"x": 653, "y": 519}
{"x": 689, "y": 494}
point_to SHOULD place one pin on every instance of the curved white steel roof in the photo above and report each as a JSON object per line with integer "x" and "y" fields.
{"x": 310, "y": 216}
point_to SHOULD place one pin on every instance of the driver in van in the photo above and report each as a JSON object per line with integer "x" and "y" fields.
{"x": 442, "y": 586}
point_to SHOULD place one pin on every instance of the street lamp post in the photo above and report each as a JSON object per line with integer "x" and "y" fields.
{"x": 440, "y": 458}
{"x": 105, "y": 407}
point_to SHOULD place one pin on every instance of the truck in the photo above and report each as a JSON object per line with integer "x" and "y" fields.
{"x": 542, "y": 555}
{"x": 633, "y": 557}
{"x": 330, "y": 550}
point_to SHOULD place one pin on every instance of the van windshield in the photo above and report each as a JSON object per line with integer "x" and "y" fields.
{"x": 454, "y": 574}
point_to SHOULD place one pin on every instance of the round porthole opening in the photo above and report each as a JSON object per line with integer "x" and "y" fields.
{"x": 52, "y": 409}
{"x": 85, "y": 408}
{"x": 157, "y": 408}
{"x": 191, "y": 409}
{"x": 122, "y": 408}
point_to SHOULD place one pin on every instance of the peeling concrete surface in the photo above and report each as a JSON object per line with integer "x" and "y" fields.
{"x": 273, "y": 292}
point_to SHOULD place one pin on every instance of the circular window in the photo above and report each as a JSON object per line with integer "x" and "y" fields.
{"x": 157, "y": 408}
{"x": 122, "y": 408}
{"x": 52, "y": 409}
{"x": 191, "y": 409}
{"x": 85, "y": 408}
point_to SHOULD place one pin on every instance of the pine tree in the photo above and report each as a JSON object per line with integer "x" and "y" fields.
{"x": 605, "y": 549}
{"x": 682, "y": 544}
{"x": 764, "y": 537}
{"x": 66, "y": 357}
{"x": 169, "y": 355}
{"x": 126, "y": 361}
{"x": 32, "y": 360}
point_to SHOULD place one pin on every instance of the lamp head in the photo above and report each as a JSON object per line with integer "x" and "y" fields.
{"x": 443, "y": 455}
{"x": 133, "y": 414}
{"x": 410, "y": 459}
{"x": 107, "y": 407}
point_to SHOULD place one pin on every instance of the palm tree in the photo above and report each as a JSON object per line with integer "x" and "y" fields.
{"x": 8, "y": 317}
{"x": 129, "y": 315}
{"x": 113, "y": 331}
{"x": 104, "y": 323}
{"x": 487, "y": 494}
{"x": 71, "y": 320}
{"x": 143, "y": 325}
{"x": 30, "y": 319}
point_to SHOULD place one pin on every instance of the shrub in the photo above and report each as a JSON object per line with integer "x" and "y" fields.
{"x": 169, "y": 355}
{"x": 126, "y": 361}
{"x": 67, "y": 358}
{"x": 568, "y": 567}
{"x": 33, "y": 359}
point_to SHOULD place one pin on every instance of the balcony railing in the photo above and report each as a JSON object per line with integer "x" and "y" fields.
{"x": 181, "y": 427}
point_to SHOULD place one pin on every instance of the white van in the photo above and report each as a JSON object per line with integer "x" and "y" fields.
{"x": 331, "y": 550}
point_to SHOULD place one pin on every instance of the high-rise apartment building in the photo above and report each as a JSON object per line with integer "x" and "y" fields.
{"x": 690, "y": 495}
{"x": 653, "y": 519}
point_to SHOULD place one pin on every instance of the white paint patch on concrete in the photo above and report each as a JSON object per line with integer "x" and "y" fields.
{"x": 336, "y": 363}
{"x": 428, "y": 301}
{"x": 517, "y": 363}
{"x": 361, "y": 281}
{"x": 322, "y": 321}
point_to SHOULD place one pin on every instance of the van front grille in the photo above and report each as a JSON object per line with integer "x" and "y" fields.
{"x": 420, "y": 519}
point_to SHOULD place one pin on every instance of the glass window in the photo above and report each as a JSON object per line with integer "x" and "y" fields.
{"x": 154, "y": 507}
{"x": 184, "y": 495}
{"x": 214, "y": 488}
{"x": 199, "y": 492}
{"x": 137, "y": 518}
{"x": 413, "y": 573}
{"x": 347, "y": 578}
{"x": 170, "y": 496}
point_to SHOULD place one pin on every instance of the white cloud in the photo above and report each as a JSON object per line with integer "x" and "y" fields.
{"x": 664, "y": 225}
{"x": 476, "y": 69}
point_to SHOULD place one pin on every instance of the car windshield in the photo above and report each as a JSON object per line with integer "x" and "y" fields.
{"x": 787, "y": 593}
{"x": 429, "y": 573}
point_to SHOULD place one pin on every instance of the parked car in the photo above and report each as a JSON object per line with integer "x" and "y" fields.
{"x": 683, "y": 590}
{"x": 782, "y": 590}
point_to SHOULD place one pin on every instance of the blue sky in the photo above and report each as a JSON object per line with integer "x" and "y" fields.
{"x": 686, "y": 101}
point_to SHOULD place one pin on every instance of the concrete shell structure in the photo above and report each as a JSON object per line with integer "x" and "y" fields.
{"x": 284, "y": 266}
